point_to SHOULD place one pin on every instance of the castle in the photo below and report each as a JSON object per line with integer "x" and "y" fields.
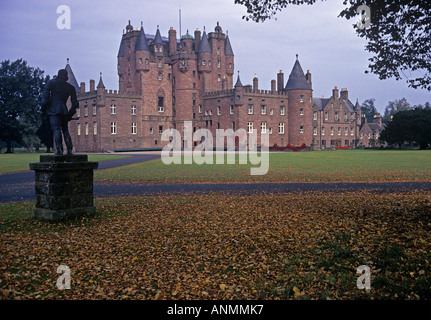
{"x": 164, "y": 82}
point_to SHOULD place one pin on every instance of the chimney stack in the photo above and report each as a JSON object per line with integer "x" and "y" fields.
{"x": 335, "y": 93}
{"x": 280, "y": 81}
{"x": 344, "y": 94}
{"x": 255, "y": 84}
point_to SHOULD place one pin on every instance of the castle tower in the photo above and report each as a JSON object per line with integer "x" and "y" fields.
{"x": 300, "y": 112}
{"x": 142, "y": 52}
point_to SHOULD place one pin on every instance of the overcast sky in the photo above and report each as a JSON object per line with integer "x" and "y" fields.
{"x": 326, "y": 44}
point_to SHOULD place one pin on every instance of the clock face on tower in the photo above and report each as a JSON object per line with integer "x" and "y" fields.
{"x": 183, "y": 65}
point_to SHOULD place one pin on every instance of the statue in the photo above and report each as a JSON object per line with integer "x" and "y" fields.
{"x": 56, "y": 94}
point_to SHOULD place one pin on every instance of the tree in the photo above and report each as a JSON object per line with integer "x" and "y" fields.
{"x": 409, "y": 125}
{"x": 368, "y": 109}
{"x": 399, "y": 35}
{"x": 394, "y": 107}
{"x": 21, "y": 89}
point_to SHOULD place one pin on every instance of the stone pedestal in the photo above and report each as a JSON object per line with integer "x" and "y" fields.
{"x": 64, "y": 187}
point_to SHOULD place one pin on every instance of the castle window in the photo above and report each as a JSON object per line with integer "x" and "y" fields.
{"x": 323, "y": 131}
{"x": 133, "y": 110}
{"x": 231, "y": 109}
{"x": 315, "y": 115}
{"x": 151, "y": 130}
{"x": 200, "y": 108}
{"x": 250, "y": 127}
{"x": 351, "y": 131}
{"x": 94, "y": 110}
{"x": 282, "y": 110}
{"x": 352, "y": 117}
{"x": 140, "y": 61}
{"x": 134, "y": 129}
{"x": 194, "y": 73}
{"x": 271, "y": 112}
{"x": 346, "y": 143}
{"x": 160, "y": 129}
{"x": 209, "y": 62}
{"x": 219, "y": 77}
{"x": 113, "y": 109}
{"x": 218, "y": 110}
{"x": 113, "y": 128}
{"x": 336, "y": 116}
{"x": 147, "y": 61}
{"x": 250, "y": 109}
{"x": 86, "y": 111}
{"x": 263, "y": 109}
{"x": 301, "y": 98}
{"x": 281, "y": 127}
{"x": 263, "y": 127}
{"x": 230, "y": 66}
{"x": 346, "y": 118}
{"x": 160, "y": 106}
{"x": 79, "y": 129}
{"x": 301, "y": 111}
{"x": 203, "y": 62}
{"x": 160, "y": 77}
{"x": 86, "y": 128}
{"x": 332, "y": 131}
{"x": 270, "y": 130}
{"x": 194, "y": 85}
{"x": 95, "y": 128}
{"x": 326, "y": 115}
{"x": 315, "y": 131}
{"x": 218, "y": 63}
{"x": 78, "y": 112}
{"x": 218, "y": 51}
{"x": 301, "y": 129}
{"x": 346, "y": 131}
{"x": 159, "y": 63}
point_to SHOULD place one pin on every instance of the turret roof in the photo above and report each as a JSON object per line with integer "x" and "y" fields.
{"x": 297, "y": 80}
{"x": 71, "y": 78}
{"x": 227, "y": 47}
{"x": 141, "y": 43}
{"x": 158, "y": 37}
{"x": 101, "y": 85}
{"x": 204, "y": 45}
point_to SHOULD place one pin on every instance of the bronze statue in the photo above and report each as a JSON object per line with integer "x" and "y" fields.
{"x": 56, "y": 94}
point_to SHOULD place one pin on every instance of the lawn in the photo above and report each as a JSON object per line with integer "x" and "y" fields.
{"x": 220, "y": 246}
{"x": 16, "y": 162}
{"x": 324, "y": 166}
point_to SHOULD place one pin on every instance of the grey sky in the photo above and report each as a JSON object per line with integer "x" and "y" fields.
{"x": 326, "y": 45}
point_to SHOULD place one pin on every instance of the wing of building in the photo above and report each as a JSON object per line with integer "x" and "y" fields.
{"x": 165, "y": 81}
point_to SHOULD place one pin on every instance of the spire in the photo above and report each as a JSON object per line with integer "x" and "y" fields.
{"x": 158, "y": 37}
{"x": 227, "y": 47}
{"x": 204, "y": 44}
{"x": 357, "y": 106}
{"x": 141, "y": 43}
{"x": 297, "y": 80}
{"x": 101, "y": 85}
{"x": 238, "y": 82}
{"x": 71, "y": 77}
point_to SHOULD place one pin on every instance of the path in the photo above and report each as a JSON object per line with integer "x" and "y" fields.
{"x": 19, "y": 186}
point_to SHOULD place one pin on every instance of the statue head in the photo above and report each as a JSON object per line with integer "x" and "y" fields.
{"x": 62, "y": 75}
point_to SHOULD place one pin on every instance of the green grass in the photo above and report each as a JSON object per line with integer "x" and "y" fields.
{"x": 330, "y": 166}
{"x": 16, "y": 162}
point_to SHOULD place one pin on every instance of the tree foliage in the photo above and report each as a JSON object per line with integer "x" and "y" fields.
{"x": 20, "y": 96}
{"x": 409, "y": 125}
{"x": 368, "y": 109}
{"x": 399, "y": 36}
{"x": 394, "y": 107}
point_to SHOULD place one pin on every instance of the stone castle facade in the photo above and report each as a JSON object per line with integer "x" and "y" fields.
{"x": 164, "y": 82}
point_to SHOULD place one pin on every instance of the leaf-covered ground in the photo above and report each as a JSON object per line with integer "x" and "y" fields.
{"x": 224, "y": 246}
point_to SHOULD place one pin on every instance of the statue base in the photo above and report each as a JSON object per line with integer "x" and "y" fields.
{"x": 64, "y": 187}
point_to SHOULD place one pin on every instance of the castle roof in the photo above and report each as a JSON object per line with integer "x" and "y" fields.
{"x": 158, "y": 37}
{"x": 71, "y": 78}
{"x": 297, "y": 80}
{"x": 187, "y": 36}
{"x": 204, "y": 45}
{"x": 121, "y": 50}
{"x": 141, "y": 43}
{"x": 238, "y": 82}
{"x": 227, "y": 47}
{"x": 101, "y": 85}
{"x": 320, "y": 102}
